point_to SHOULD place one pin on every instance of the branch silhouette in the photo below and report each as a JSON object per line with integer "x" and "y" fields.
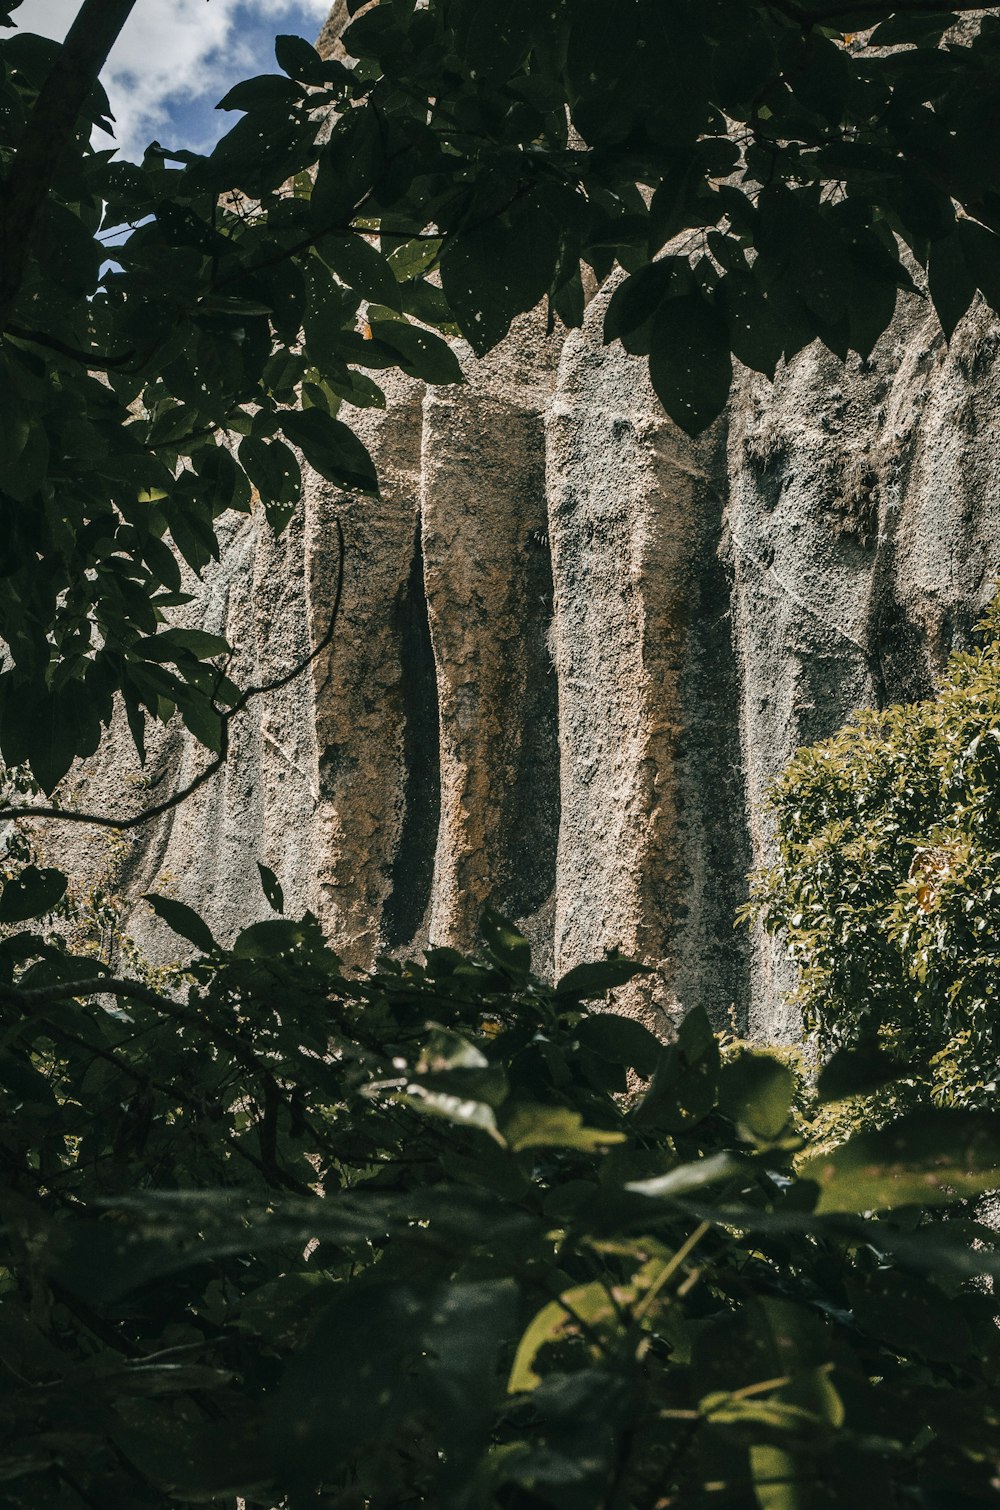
{"x": 807, "y": 16}
{"x": 102, "y": 820}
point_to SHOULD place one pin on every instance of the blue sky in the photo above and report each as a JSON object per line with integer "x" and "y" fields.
{"x": 175, "y": 60}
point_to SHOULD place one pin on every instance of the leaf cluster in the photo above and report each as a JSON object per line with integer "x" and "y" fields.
{"x": 764, "y": 174}
{"x": 313, "y": 1239}
{"x": 177, "y": 335}
{"x": 184, "y": 332}
{"x": 886, "y": 887}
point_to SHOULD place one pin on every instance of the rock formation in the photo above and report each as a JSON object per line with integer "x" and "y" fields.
{"x": 574, "y": 649}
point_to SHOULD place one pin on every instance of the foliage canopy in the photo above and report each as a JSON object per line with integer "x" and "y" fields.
{"x": 177, "y": 334}
{"x": 320, "y": 1241}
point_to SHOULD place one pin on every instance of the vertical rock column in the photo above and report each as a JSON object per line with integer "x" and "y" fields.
{"x": 623, "y": 488}
{"x": 862, "y": 538}
{"x": 363, "y": 708}
{"x": 488, "y": 584}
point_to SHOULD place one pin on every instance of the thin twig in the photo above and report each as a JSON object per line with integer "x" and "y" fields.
{"x": 13, "y": 811}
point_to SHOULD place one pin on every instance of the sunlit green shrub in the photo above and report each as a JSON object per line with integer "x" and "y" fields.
{"x": 338, "y": 1242}
{"x": 887, "y": 885}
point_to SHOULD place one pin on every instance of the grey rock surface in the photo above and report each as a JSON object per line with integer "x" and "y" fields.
{"x": 574, "y": 650}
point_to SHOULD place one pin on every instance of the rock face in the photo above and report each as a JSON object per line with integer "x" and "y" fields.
{"x": 575, "y": 648}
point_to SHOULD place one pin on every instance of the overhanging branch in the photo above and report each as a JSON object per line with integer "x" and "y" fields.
{"x": 806, "y": 16}
{"x": 120, "y": 825}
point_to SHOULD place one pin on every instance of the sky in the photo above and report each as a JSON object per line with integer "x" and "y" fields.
{"x": 175, "y": 59}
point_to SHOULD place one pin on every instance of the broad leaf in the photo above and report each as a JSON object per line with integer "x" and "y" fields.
{"x": 183, "y": 920}
{"x": 689, "y": 360}
{"x": 929, "y": 1158}
{"x": 32, "y": 893}
{"x": 272, "y": 887}
{"x": 333, "y": 449}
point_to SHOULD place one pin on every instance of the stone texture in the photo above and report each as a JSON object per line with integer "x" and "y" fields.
{"x": 575, "y": 648}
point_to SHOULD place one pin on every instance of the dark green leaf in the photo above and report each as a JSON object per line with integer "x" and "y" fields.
{"x": 689, "y": 362}
{"x": 329, "y": 446}
{"x": 272, "y": 887}
{"x": 269, "y": 940}
{"x": 419, "y": 352}
{"x": 530, "y": 1126}
{"x": 755, "y": 1092}
{"x": 183, "y": 920}
{"x": 32, "y": 893}
{"x": 621, "y": 1040}
{"x": 505, "y": 945}
{"x": 679, "y": 1182}
{"x": 299, "y": 59}
{"x": 362, "y": 267}
{"x": 856, "y": 1072}
{"x": 981, "y": 251}
{"x": 685, "y": 1083}
{"x": 952, "y": 285}
{"x": 265, "y": 89}
{"x": 927, "y": 1158}
{"x": 587, "y": 982}
{"x": 272, "y": 469}
{"x": 500, "y": 267}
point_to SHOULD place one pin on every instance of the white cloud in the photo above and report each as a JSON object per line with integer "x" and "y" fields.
{"x": 173, "y": 51}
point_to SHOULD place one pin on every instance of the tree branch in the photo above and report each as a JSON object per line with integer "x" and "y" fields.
{"x": 102, "y": 820}
{"x": 49, "y": 131}
{"x": 91, "y": 359}
{"x": 807, "y": 17}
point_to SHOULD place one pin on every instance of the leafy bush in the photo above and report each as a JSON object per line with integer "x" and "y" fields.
{"x": 887, "y": 887}
{"x": 407, "y": 1239}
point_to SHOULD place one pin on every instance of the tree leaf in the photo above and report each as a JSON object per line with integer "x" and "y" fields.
{"x": 685, "y": 1084}
{"x": 333, "y": 449}
{"x": 419, "y": 352}
{"x": 690, "y": 365}
{"x": 362, "y": 267}
{"x": 499, "y": 268}
{"x": 621, "y": 1040}
{"x": 272, "y": 887}
{"x": 952, "y": 286}
{"x": 183, "y": 920}
{"x": 679, "y": 1182}
{"x": 269, "y": 940}
{"x": 535, "y": 1126}
{"x": 299, "y": 59}
{"x": 929, "y": 1158}
{"x": 981, "y": 251}
{"x": 264, "y": 89}
{"x": 505, "y": 945}
{"x": 589, "y": 981}
{"x": 755, "y": 1092}
{"x": 273, "y": 469}
{"x": 31, "y": 894}
{"x": 171, "y": 644}
{"x": 856, "y": 1072}
{"x": 589, "y": 1304}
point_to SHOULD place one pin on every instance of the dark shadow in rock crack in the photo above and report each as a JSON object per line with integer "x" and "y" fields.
{"x": 530, "y": 803}
{"x": 413, "y": 863}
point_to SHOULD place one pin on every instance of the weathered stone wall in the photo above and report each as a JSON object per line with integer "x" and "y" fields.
{"x": 575, "y": 647}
